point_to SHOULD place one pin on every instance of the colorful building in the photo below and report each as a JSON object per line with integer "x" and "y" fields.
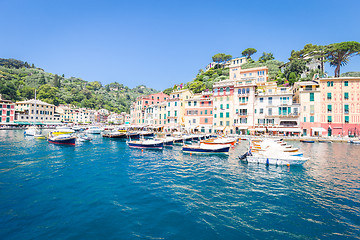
{"x": 137, "y": 111}
{"x": 7, "y": 111}
{"x": 308, "y": 95}
{"x": 35, "y": 111}
{"x": 223, "y": 101}
{"x": 340, "y": 106}
{"x": 199, "y": 113}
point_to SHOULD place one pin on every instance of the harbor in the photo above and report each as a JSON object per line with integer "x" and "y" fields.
{"x": 69, "y": 190}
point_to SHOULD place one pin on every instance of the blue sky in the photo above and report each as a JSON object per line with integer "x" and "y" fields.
{"x": 161, "y": 43}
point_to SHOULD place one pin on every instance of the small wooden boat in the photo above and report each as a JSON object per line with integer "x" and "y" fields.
{"x": 218, "y": 141}
{"x": 306, "y": 141}
{"x": 204, "y": 148}
{"x": 66, "y": 139}
{"x": 133, "y": 135}
{"x": 114, "y": 134}
{"x": 41, "y": 137}
{"x": 149, "y": 144}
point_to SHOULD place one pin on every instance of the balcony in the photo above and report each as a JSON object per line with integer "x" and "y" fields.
{"x": 243, "y": 103}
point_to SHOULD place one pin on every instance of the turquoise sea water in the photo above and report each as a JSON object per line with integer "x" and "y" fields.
{"x": 104, "y": 190}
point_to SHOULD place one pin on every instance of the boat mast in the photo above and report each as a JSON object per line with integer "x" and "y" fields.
{"x": 35, "y": 110}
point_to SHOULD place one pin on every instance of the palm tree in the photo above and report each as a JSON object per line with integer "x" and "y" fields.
{"x": 338, "y": 54}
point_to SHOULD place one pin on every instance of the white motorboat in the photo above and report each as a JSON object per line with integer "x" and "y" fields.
{"x": 32, "y": 131}
{"x": 62, "y": 130}
{"x": 94, "y": 130}
{"x": 149, "y": 143}
{"x": 273, "y": 152}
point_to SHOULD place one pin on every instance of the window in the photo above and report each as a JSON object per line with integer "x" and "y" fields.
{"x": 227, "y": 115}
{"x": 168, "y": 113}
{"x": 206, "y": 120}
{"x": 221, "y": 106}
{"x": 195, "y": 103}
{"x": 304, "y": 119}
{"x": 215, "y": 115}
{"x": 346, "y": 119}
{"x": 329, "y": 108}
{"x": 308, "y": 88}
{"x": 227, "y": 123}
{"x": 200, "y": 112}
{"x": 329, "y": 119}
{"x": 194, "y": 120}
{"x": 261, "y": 111}
{"x": 346, "y": 83}
{"x": 328, "y": 96}
{"x": 175, "y": 113}
{"x": 227, "y": 106}
{"x": 346, "y": 109}
{"x": 221, "y": 123}
{"x": 270, "y": 100}
{"x": 175, "y": 104}
{"x": 248, "y": 90}
{"x": 261, "y": 73}
{"x": 261, "y": 100}
{"x": 346, "y": 96}
{"x": 189, "y": 103}
{"x": 270, "y": 111}
{"x": 239, "y": 91}
{"x": 311, "y": 97}
{"x": 311, "y": 118}
{"x": 215, "y": 91}
{"x": 221, "y": 115}
{"x": 243, "y": 91}
{"x": 227, "y": 90}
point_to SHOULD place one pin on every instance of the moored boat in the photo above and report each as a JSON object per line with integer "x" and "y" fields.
{"x": 114, "y": 134}
{"x": 94, "y": 130}
{"x": 204, "y": 148}
{"x": 149, "y": 144}
{"x": 67, "y": 139}
{"x": 32, "y": 131}
{"x": 217, "y": 141}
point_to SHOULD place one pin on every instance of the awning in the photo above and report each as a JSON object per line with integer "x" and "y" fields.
{"x": 242, "y": 128}
{"x": 318, "y": 129}
{"x": 260, "y": 129}
{"x": 289, "y": 130}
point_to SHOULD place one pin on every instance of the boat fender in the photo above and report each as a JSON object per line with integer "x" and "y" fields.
{"x": 267, "y": 162}
{"x": 142, "y": 150}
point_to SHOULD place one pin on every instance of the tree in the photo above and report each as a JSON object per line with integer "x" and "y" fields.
{"x": 297, "y": 66}
{"x": 292, "y": 78}
{"x": 48, "y": 94}
{"x": 266, "y": 57}
{"x": 56, "y": 81}
{"x": 221, "y": 57}
{"x": 248, "y": 52}
{"x": 338, "y": 54}
{"x": 42, "y": 80}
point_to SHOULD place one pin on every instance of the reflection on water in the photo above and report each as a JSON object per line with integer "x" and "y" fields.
{"x": 103, "y": 189}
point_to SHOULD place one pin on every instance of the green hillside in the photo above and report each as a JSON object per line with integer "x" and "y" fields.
{"x": 18, "y": 80}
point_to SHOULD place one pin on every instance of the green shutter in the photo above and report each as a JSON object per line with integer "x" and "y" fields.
{"x": 311, "y": 97}
{"x": 346, "y": 119}
{"x": 346, "y": 95}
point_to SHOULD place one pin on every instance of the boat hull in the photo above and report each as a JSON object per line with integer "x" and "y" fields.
{"x": 148, "y": 146}
{"x": 205, "y": 150}
{"x": 67, "y": 141}
{"x": 275, "y": 161}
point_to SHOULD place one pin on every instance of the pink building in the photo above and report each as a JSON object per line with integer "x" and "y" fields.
{"x": 7, "y": 111}
{"x": 137, "y": 111}
{"x": 199, "y": 113}
{"x": 330, "y": 107}
{"x": 340, "y": 106}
